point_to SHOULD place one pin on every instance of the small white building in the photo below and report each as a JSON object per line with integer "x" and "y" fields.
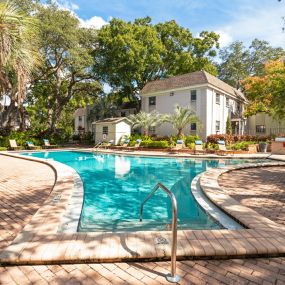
{"x": 111, "y": 129}
{"x": 214, "y": 101}
{"x": 81, "y": 124}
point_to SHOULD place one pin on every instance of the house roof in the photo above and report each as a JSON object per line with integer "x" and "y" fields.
{"x": 80, "y": 112}
{"x": 111, "y": 120}
{"x": 190, "y": 79}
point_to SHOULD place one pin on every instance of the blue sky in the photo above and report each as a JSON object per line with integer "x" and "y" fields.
{"x": 232, "y": 19}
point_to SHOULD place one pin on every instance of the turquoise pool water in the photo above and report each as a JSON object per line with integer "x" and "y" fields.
{"x": 115, "y": 186}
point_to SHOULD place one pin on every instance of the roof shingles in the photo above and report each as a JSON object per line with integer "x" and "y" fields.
{"x": 188, "y": 80}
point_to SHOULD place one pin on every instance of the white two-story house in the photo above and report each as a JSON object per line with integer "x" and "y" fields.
{"x": 213, "y": 100}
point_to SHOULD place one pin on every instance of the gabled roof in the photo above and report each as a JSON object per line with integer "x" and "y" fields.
{"x": 80, "y": 112}
{"x": 188, "y": 80}
{"x": 112, "y": 120}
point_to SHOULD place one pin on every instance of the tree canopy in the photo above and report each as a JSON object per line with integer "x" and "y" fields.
{"x": 266, "y": 92}
{"x": 239, "y": 62}
{"x": 66, "y": 77}
{"x": 129, "y": 54}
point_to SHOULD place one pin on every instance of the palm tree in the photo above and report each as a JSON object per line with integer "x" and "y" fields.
{"x": 181, "y": 118}
{"x": 18, "y": 52}
{"x": 146, "y": 120}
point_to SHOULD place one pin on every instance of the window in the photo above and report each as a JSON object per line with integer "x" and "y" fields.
{"x": 171, "y": 94}
{"x": 193, "y": 95}
{"x": 152, "y": 130}
{"x": 123, "y": 114}
{"x": 105, "y": 130}
{"x": 193, "y": 127}
{"x": 227, "y": 102}
{"x": 218, "y": 98}
{"x": 260, "y": 129}
{"x": 152, "y": 101}
{"x": 217, "y": 126}
{"x": 79, "y": 119}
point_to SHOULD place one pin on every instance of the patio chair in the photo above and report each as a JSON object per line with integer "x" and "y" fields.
{"x": 109, "y": 143}
{"x": 199, "y": 147}
{"x": 48, "y": 145}
{"x": 13, "y": 145}
{"x": 31, "y": 145}
{"x": 179, "y": 145}
{"x": 222, "y": 148}
{"x": 136, "y": 146}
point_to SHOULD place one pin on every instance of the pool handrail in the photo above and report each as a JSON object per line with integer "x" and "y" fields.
{"x": 173, "y": 277}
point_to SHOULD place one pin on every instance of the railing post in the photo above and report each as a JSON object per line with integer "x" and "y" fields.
{"x": 172, "y": 277}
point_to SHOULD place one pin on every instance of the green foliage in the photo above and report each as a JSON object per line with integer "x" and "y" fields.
{"x": 242, "y": 145}
{"x": 181, "y": 118}
{"x": 66, "y": 80}
{"x": 21, "y": 138}
{"x": 146, "y": 120}
{"x": 229, "y": 126}
{"x": 239, "y": 62}
{"x": 3, "y": 148}
{"x": 154, "y": 144}
{"x": 128, "y": 55}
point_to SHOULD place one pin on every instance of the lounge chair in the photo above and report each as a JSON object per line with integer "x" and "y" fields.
{"x": 31, "y": 145}
{"x": 108, "y": 144}
{"x": 13, "y": 145}
{"x": 222, "y": 148}
{"x": 199, "y": 147}
{"x": 136, "y": 146}
{"x": 138, "y": 143}
{"x": 48, "y": 145}
{"x": 179, "y": 145}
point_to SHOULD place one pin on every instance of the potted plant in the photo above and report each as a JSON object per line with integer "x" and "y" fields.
{"x": 263, "y": 144}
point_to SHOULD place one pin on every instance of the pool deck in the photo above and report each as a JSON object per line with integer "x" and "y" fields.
{"x": 40, "y": 242}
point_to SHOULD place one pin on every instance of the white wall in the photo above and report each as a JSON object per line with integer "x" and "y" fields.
{"x": 122, "y": 129}
{"x": 206, "y": 109}
{"x": 115, "y": 131}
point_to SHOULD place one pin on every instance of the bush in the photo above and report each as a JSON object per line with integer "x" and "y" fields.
{"x": 3, "y": 148}
{"x": 242, "y": 145}
{"x": 155, "y": 144}
{"x": 191, "y": 140}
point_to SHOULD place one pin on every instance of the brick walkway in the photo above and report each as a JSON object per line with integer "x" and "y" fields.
{"x": 262, "y": 189}
{"x": 26, "y": 192}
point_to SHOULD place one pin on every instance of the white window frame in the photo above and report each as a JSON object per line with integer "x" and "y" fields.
{"x": 218, "y": 98}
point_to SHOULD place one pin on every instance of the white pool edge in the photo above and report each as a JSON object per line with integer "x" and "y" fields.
{"x": 210, "y": 208}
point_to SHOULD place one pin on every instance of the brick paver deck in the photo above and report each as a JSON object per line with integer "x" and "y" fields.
{"x": 236, "y": 271}
{"x": 263, "y": 189}
{"x": 24, "y": 186}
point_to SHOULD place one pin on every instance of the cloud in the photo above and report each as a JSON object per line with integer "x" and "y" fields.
{"x": 225, "y": 38}
{"x": 67, "y": 5}
{"x": 264, "y": 23}
{"x": 94, "y": 22}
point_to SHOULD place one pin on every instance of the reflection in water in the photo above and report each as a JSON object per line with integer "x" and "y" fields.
{"x": 122, "y": 166}
{"x": 115, "y": 186}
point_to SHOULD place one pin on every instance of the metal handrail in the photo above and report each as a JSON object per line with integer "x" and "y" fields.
{"x": 171, "y": 277}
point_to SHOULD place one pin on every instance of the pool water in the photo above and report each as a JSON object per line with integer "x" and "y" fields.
{"x": 115, "y": 186}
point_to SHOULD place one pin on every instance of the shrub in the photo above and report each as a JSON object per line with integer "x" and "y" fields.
{"x": 3, "y": 148}
{"x": 191, "y": 140}
{"x": 242, "y": 145}
{"x": 155, "y": 144}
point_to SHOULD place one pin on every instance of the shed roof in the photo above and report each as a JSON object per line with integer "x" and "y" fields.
{"x": 112, "y": 120}
{"x": 188, "y": 80}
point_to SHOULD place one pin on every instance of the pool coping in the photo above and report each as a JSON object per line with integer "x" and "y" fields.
{"x": 40, "y": 242}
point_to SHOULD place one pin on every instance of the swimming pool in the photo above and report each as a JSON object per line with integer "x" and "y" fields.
{"x": 116, "y": 185}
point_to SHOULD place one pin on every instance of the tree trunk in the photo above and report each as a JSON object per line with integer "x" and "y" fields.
{"x": 179, "y": 134}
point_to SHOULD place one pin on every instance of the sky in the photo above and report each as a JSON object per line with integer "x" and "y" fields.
{"x": 241, "y": 20}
